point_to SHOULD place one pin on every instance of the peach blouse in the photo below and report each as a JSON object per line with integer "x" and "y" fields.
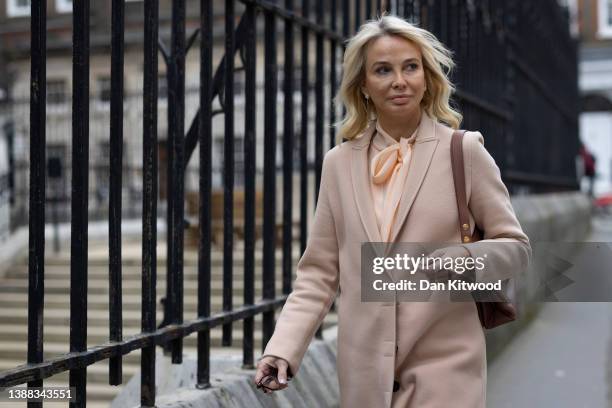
{"x": 389, "y": 163}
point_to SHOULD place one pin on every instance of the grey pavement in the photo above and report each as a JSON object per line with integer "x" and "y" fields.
{"x": 563, "y": 358}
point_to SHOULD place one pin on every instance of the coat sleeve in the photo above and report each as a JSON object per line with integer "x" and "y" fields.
{"x": 315, "y": 285}
{"x": 505, "y": 247}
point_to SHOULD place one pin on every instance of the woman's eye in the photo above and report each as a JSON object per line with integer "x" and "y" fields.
{"x": 381, "y": 70}
{"x": 412, "y": 66}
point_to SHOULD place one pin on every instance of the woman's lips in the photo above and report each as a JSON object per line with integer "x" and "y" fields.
{"x": 400, "y": 99}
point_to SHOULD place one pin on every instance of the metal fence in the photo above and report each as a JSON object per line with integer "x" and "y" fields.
{"x": 515, "y": 87}
{"x": 16, "y": 113}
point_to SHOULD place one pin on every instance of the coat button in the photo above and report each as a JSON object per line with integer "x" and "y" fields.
{"x": 395, "y": 386}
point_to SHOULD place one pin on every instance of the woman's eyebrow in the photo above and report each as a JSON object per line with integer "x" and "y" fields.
{"x": 387, "y": 62}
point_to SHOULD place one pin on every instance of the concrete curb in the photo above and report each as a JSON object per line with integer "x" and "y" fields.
{"x": 560, "y": 217}
{"x": 232, "y": 386}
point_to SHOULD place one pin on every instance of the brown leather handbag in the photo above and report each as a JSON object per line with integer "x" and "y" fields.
{"x": 491, "y": 314}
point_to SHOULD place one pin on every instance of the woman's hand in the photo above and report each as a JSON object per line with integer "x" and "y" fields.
{"x": 271, "y": 374}
{"x": 458, "y": 254}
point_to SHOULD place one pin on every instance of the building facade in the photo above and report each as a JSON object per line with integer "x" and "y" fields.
{"x": 14, "y": 100}
{"x": 595, "y": 30}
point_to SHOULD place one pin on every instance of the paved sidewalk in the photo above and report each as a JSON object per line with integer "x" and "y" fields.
{"x": 563, "y": 359}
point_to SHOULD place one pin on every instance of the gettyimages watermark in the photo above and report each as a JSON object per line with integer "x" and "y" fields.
{"x": 489, "y": 271}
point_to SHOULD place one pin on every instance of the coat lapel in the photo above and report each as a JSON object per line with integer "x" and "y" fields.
{"x": 360, "y": 176}
{"x": 424, "y": 148}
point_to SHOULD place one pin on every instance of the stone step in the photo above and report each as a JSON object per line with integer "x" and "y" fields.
{"x": 99, "y": 393}
{"x": 14, "y": 302}
{"x": 135, "y": 272}
{"x": 16, "y": 351}
{"x": 98, "y": 334}
{"x": 61, "y": 316}
{"x": 101, "y": 286}
{"x": 57, "y": 343}
{"x": 132, "y": 255}
{"x": 99, "y": 302}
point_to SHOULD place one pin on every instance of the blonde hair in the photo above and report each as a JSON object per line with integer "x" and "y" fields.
{"x": 437, "y": 63}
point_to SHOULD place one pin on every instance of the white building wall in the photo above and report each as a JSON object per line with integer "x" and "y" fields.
{"x": 596, "y": 134}
{"x": 4, "y": 192}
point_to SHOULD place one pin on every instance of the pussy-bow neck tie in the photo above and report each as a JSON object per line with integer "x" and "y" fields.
{"x": 390, "y": 167}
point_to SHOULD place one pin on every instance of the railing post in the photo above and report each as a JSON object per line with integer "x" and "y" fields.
{"x": 80, "y": 195}
{"x": 269, "y": 222}
{"x": 116, "y": 169}
{"x": 508, "y": 19}
{"x": 205, "y": 139}
{"x": 228, "y": 169}
{"x": 36, "y": 250}
{"x": 288, "y": 146}
{"x": 304, "y": 90}
{"x": 333, "y": 83}
{"x": 250, "y": 144}
{"x": 176, "y": 196}
{"x": 149, "y": 200}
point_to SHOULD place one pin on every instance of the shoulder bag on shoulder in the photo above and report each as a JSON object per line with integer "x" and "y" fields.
{"x": 491, "y": 314}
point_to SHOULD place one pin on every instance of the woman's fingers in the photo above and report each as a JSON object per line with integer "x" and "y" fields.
{"x": 282, "y": 372}
{"x": 263, "y": 368}
{"x": 271, "y": 374}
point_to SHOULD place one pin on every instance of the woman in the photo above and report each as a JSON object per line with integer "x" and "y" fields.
{"x": 392, "y": 181}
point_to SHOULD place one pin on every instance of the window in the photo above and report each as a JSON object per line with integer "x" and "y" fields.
{"x": 57, "y": 166}
{"x": 162, "y": 87}
{"x": 63, "y": 6}
{"x": 219, "y": 166}
{"x": 239, "y": 86}
{"x": 18, "y": 8}
{"x": 604, "y": 11}
{"x": 572, "y": 7}
{"x": 102, "y": 169}
{"x": 297, "y": 79}
{"x": 104, "y": 89}
{"x": 57, "y": 93}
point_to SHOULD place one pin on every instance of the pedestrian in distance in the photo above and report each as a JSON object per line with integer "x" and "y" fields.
{"x": 588, "y": 161}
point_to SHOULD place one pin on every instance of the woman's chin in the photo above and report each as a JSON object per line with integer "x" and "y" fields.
{"x": 400, "y": 110}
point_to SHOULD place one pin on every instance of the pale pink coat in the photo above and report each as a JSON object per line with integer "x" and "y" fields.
{"x": 435, "y": 350}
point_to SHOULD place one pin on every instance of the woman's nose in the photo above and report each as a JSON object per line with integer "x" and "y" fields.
{"x": 399, "y": 80}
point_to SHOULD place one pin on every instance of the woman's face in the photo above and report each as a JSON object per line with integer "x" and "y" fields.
{"x": 394, "y": 78}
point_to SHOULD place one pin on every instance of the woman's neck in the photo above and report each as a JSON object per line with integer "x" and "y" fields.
{"x": 400, "y": 127}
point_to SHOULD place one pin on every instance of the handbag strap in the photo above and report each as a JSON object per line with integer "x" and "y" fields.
{"x": 459, "y": 180}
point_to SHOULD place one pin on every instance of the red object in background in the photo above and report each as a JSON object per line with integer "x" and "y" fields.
{"x": 588, "y": 160}
{"x": 603, "y": 200}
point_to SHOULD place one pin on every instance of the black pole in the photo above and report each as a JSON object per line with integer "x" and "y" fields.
{"x": 36, "y": 244}
{"x": 228, "y": 168}
{"x": 116, "y": 169}
{"x": 250, "y": 146}
{"x": 205, "y": 140}
{"x": 149, "y": 200}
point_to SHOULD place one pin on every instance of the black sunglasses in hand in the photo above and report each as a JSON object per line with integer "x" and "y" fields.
{"x": 270, "y": 383}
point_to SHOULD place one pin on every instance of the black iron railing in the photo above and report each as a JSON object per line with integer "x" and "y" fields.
{"x": 515, "y": 87}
